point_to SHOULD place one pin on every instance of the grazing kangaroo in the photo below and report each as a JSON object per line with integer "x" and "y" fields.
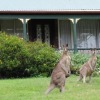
{"x": 60, "y": 72}
{"x": 88, "y": 67}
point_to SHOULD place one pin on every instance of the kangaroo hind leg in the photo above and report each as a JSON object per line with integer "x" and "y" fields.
{"x": 50, "y": 88}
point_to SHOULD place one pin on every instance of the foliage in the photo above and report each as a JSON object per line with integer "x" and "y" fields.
{"x": 42, "y": 59}
{"x": 78, "y": 59}
{"x": 19, "y": 58}
{"x": 13, "y": 56}
{"x": 97, "y": 70}
{"x": 22, "y": 59}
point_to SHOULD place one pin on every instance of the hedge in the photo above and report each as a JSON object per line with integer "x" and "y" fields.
{"x": 78, "y": 59}
{"x": 19, "y": 58}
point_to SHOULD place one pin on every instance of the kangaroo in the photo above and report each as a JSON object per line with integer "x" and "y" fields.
{"x": 88, "y": 68}
{"x": 60, "y": 72}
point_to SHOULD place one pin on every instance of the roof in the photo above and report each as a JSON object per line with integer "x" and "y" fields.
{"x": 49, "y": 5}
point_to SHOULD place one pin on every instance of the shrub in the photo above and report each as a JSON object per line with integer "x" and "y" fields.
{"x": 13, "y": 56}
{"x": 19, "y": 58}
{"x": 77, "y": 60}
{"x": 97, "y": 70}
{"x": 43, "y": 58}
{"x": 22, "y": 59}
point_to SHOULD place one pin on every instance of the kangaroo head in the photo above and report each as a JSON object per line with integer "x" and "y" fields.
{"x": 65, "y": 49}
{"x": 93, "y": 56}
{"x": 93, "y": 52}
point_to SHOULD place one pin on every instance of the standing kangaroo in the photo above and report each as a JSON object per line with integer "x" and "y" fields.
{"x": 88, "y": 67}
{"x": 60, "y": 72}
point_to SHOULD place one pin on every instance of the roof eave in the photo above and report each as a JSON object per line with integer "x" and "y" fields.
{"x": 53, "y": 12}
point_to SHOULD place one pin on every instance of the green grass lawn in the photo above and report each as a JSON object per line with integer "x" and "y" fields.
{"x": 34, "y": 89}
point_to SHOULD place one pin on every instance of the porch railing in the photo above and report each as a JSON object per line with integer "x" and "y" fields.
{"x": 85, "y": 50}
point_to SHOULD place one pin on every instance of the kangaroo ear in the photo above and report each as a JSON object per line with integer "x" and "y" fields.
{"x": 94, "y": 51}
{"x": 63, "y": 47}
{"x": 66, "y": 45}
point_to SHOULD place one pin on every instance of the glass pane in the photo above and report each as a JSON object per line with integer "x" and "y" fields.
{"x": 65, "y": 33}
{"x": 7, "y": 26}
{"x": 87, "y": 31}
{"x": 18, "y": 28}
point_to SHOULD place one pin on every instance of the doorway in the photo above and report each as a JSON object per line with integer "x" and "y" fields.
{"x": 44, "y": 30}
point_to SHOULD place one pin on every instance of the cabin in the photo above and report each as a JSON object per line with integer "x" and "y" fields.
{"x": 56, "y": 22}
